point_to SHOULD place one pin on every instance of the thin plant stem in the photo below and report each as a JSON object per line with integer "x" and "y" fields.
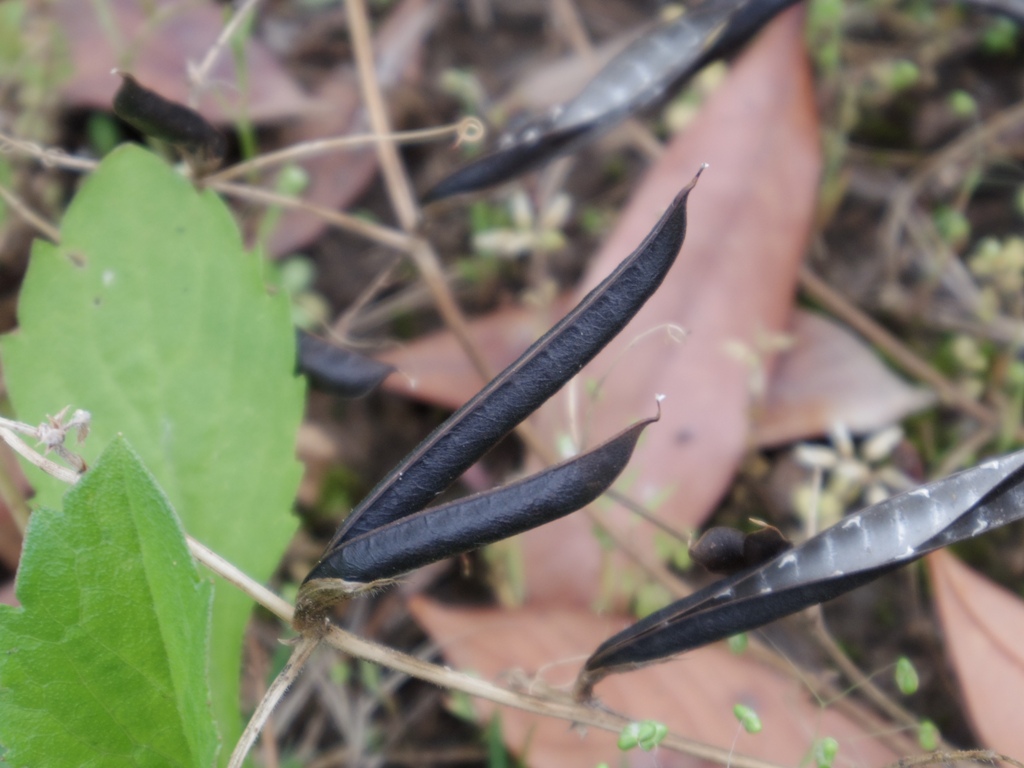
{"x": 368, "y": 650}
{"x": 400, "y": 189}
{"x": 49, "y": 157}
{"x": 398, "y": 185}
{"x": 48, "y": 466}
{"x": 392, "y": 238}
{"x": 467, "y": 130}
{"x": 17, "y": 205}
{"x": 541, "y": 705}
{"x": 300, "y": 655}
{"x": 230, "y": 573}
{"x": 860, "y": 681}
{"x": 199, "y": 74}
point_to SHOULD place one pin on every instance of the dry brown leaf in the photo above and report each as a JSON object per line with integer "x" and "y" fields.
{"x": 732, "y": 290}
{"x": 338, "y": 178}
{"x": 694, "y": 696}
{"x": 157, "y": 47}
{"x": 830, "y": 376}
{"x": 983, "y": 624}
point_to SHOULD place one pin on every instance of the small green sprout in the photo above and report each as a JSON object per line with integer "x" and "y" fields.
{"x": 650, "y": 597}
{"x": 824, "y": 751}
{"x": 962, "y": 104}
{"x": 296, "y": 276}
{"x": 1000, "y": 263}
{"x": 899, "y": 75}
{"x": 461, "y": 705}
{"x": 497, "y": 756}
{"x": 748, "y": 718}
{"x": 928, "y": 735}
{"x": 906, "y": 676}
{"x": 369, "y": 675}
{"x": 292, "y": 180}
{"x": 646, "y": 734}
{"x": 1000, "y": 37}
{"x": 672, "y": 551}
{"x": 738, "y": 643}
{"x": 953, "y": 226}
{"x": 824, "y": 32}
{"x": 340, "y": 674}
{"x": 104, "y": 133}
{"x": 464, "y": 86}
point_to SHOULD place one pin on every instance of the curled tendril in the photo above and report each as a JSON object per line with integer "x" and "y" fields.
{"x": 469, "y": 130}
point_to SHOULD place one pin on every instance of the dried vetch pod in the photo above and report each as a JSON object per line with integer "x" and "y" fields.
{"x": 202, "y": 145}
{"x": 339, "y": 371}
{"x": 484, "y": 518}
{"x": 503, "y": 403}
{"x": 652, "y": 65}
{"x": 858, "y": 549}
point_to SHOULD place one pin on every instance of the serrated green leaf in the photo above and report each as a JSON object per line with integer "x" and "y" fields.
{"x": 151, "y": 315}
{"x": 104, "y": 663}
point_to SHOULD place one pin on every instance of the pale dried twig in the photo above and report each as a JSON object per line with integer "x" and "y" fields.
{"x": 303, "y": 650}
{"x": 467, "y": 130}
{"x": 45, "y": 228}
{"x": 198, "y": 75}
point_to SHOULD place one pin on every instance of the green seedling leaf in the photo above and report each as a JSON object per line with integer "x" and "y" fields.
{"x": 906, "y": 676}
{"x": 928, "y": 735}
{"x": 748, "y": 718}
{"x": 646, "y": 734}
{"x": 497, "y": 756}
{"x": 105, "y": 662}
{"x": 629, "y": 736}
{"x": 738, "y": 643}
{"x": 824, "y": 752}
{"x": 152, "y": 316}
{"x": 652, "y": 733}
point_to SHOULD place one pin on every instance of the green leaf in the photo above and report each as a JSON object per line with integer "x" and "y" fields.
{"x": 906, "y": 676}
{"x": 646, "y": 734}
{"x": 152, "y": 316}
{"x": 928, "y": 735}
{"x": 824, "y": 751}
{"x": 104, "y": 663}
{"x": 738, "y": 643}
{"x": 748, "y": 718}
{"x": 629, "y": 736}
